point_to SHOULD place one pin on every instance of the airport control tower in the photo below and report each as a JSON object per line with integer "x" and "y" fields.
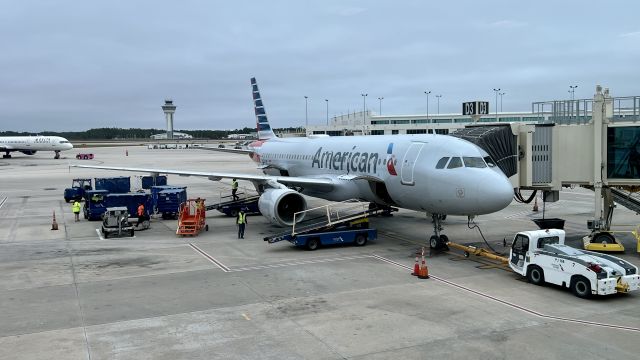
{"x": 169, "y": 109}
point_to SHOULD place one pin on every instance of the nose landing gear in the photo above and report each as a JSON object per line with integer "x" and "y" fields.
{"x": 6, "y": 156}
{"x": 57, "y": 155}
{"x": 438, "y": 241}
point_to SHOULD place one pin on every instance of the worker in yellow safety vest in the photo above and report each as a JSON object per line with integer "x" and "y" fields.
{"x": 241, "y": 220}
{"x": 76, "y": 209}
{"x": 234, "y": 189}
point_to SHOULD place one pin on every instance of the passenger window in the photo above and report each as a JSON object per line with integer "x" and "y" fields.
{"x": 455, "y": 162}
{"x": 442, "y": 162}
{"x": 474, "y": 162}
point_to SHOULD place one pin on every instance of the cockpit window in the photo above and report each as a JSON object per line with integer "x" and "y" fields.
{"x": 442, "y": 162}
{"x": 474, "y": 162}
{"x": 455, "y": 162}
{"x": 489, "y": 161}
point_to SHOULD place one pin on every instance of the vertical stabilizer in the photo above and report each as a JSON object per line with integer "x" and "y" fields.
{"x": 262, "y": 124}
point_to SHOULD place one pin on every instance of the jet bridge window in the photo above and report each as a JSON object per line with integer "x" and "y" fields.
{"x": 455, "y": 162}
{"x": 442, "y": 162}
{"x": 474, "y": 162}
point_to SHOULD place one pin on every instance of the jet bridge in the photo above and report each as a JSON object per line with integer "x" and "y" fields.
{"x": 594, "y": 143}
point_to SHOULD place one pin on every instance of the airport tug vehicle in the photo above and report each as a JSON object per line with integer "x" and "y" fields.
{"x": 543, "y": 257}
{"x": 115, "y": 221}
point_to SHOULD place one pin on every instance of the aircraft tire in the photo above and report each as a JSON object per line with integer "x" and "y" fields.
{"x": 434, "y": 242}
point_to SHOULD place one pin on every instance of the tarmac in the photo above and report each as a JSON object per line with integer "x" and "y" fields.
{"x": 70, "y": 294}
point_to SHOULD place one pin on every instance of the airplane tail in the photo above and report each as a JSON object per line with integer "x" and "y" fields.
{"x": 262, "y": 124}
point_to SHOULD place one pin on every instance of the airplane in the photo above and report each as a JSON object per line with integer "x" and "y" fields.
{"x": 436, "y": 174}
{"x": 29, "y": 145}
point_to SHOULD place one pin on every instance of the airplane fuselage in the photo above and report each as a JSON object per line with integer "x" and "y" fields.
{"x": 31, "y": 144}
{"x": 400, "y": 170}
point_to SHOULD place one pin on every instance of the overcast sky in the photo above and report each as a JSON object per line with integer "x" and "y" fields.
{"x": 75, "y": 65}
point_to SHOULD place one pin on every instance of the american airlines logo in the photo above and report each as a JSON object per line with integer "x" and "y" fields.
{"x": 352, "y": 161}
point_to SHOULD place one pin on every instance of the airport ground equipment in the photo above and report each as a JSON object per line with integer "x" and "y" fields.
{"x": 543, "y": 257}
{"x": 192, "y": 218}
{"x": 82, "y": 156}
{"x": 603, "y": 242}
{"x": 94, "y": 204}
{"x": 337, "y": 223}
{"x": 114, "y": 185}
{"x": 246, "y": 203}
{"x": 167, "y": 199}
{"x": 148, "y": 182}
{"x": 77, "y": 189}
{"x": 115, "y": 221}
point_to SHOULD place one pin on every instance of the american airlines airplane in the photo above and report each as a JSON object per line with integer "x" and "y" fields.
{"x": 29, "y": 145}
{"x": 436, "y": 174}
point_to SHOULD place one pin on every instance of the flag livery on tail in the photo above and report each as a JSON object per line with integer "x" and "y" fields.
{"x": 262, "y": 124}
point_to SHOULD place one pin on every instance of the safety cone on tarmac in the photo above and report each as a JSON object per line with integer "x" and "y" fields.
{"x": 424, "y": 270}
{"x": 54, "y": 224}
{"x": 535, "y": 205}
{"x": 416, "y": 266}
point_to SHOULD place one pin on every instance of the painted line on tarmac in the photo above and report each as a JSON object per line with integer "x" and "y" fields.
{"x": 3, "y": 201}
{"x": 99, "y": 234}
{"x": 300, "y": 262}
{"x": 515, "y": 306}
{"x": 217, "y": 263}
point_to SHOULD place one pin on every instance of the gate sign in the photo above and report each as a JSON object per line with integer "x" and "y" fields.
{"x": 475, "y": 108}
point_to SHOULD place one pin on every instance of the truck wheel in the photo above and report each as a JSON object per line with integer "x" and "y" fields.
{"x": 105, "y": 234}
{"x": 234, "y": 213}
{"x": 535, "y": 275}
{"x": 313, "y": 244}
{"x": 67, "y": 200}
{"x": 581, "y": 287}
{"x": 131, "y": 233}
{"x": 434, "y": 242}
{"x": 361, "y": 240}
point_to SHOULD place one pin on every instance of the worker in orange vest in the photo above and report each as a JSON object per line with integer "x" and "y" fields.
{"x": 141, "y": 214}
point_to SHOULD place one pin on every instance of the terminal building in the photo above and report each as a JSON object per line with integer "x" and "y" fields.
{"x": 176, "y": 135}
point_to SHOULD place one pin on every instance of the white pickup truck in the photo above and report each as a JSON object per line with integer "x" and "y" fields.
{"x": 543, "y": 257}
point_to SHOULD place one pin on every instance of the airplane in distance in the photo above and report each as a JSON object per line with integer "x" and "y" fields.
{"x": 436, "y": 174}
{"x": 29, "y": 145}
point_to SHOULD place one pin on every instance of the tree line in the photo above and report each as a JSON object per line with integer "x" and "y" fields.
{"x": 134, "y": 133}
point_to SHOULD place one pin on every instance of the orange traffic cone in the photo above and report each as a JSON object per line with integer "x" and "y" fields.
{"x": 535, "y": 205}
{"x": 54, "y": 224}
{"x": 424, "y": 270}
{"x": 416, "y": 266}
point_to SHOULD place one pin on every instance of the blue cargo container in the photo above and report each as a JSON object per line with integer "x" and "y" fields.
{"x": 148, "y": 181}
{"x": 155, "y": 190}
{"x": 168, "y": 202}
{"x": 94, "y": 204}
{"x": 114, "y": 185}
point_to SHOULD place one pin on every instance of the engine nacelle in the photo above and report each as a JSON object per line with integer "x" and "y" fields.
{"x": 28, "y": 152}
{"x": 279, "y": 205}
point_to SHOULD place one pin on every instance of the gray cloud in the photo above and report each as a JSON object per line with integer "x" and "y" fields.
{"x": 75, "y": 65}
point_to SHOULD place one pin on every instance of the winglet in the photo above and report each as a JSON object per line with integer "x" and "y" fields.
{"x": 262, "y": 124}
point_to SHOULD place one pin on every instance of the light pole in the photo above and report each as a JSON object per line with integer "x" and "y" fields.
{"x": 327, "y": 101}
{"x": 502, "y": 93}
{"x": 306, "y": 111}
{"x": 573, "y": 91}
{"x": 380, "y": 108}
{"x": 364, "y": 108}
{"x": 496, "y": 91}
{"x": 427, "y": 93}
{"x": 438, "y": 97}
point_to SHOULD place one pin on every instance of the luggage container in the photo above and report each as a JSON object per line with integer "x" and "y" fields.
{"x": 94, "y": 204}
{"x": 114, "y": 185}
{"x": 168, "y": 202}
{"x": 148, "y": 181}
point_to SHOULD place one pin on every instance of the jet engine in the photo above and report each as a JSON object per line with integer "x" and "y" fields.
{"x": 28, "y": 152}
{"x": 279, "y": 205}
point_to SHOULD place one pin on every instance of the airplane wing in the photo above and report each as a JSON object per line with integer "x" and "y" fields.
{"x": 228, "y": 150}
{"x": 320, "y": 183}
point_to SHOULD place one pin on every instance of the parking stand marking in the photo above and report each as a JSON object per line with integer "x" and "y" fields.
{"x": 217, "y": 263}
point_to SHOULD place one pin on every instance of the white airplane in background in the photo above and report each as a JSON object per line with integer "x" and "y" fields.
{"x": 29, "y": 145}
{"x": 437, "y": 174}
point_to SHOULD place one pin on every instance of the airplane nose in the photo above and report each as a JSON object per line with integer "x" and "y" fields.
{"x": 499, "y": 193}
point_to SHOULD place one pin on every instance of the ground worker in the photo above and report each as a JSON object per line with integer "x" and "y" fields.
{"x": 234, "y": 189}
{"x": 140, "y": 214}
{"x": 199, "y": 204}
{"x": 241, "y": 220}
{"x": 76, "y": 209}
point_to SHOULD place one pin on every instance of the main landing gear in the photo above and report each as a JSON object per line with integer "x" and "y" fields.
{"x": 6, "y": 156}
{"x": 57, "y": 155}
{"x": 438, "y": 241}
